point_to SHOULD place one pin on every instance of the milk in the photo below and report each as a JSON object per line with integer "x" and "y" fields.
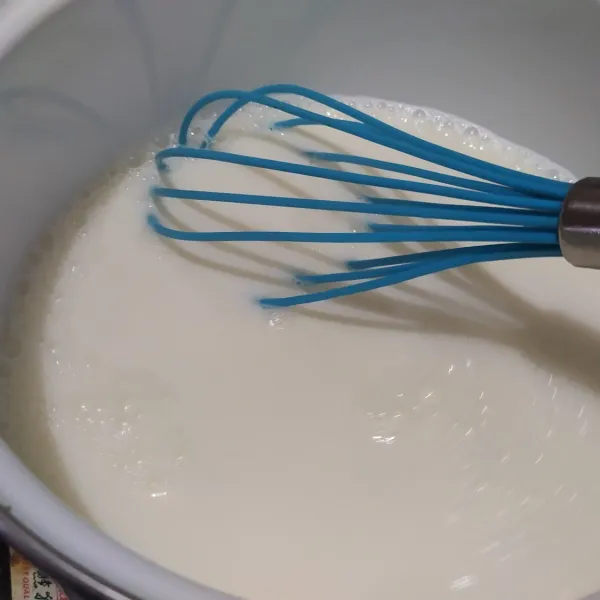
{"x": 435, "y": 440}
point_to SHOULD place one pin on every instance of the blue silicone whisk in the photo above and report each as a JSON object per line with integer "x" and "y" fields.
{"x": 514, "y": 215}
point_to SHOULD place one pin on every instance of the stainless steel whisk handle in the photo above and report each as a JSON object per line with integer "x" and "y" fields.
{"x": 579, "y": 224}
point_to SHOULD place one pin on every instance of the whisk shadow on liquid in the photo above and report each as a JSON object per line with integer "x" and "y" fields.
{"x": 552, "y": 340}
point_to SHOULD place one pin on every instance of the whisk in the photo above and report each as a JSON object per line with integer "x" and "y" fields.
{"x": 508, "y": 215}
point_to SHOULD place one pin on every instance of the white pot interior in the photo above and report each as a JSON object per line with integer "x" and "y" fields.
{"x": 89, "y": 80}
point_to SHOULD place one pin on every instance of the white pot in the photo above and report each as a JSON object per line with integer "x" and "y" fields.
{"x": 80, "y": 81}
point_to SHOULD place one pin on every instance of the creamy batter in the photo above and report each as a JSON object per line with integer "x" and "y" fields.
{"x": 436, "y": 440}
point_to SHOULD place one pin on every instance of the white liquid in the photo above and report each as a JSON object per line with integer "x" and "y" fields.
{"x": 436, "y": 440}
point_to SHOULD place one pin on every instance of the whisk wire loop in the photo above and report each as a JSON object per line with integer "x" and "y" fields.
{"x": 508, "y": 214}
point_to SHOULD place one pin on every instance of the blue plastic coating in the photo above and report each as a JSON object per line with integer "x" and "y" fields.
{"x": 397, "y": 208}
{"x": 446, "y": 191}
{"x": 419, "y": 270}
{"x": 524, "y": 251}
{"x": 460, "y": 162}
{"x": 382, "y": 165}
{"x": 502, "y": 214}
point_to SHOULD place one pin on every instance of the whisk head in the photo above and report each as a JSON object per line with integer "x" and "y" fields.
{"x": 503, "y": 214}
